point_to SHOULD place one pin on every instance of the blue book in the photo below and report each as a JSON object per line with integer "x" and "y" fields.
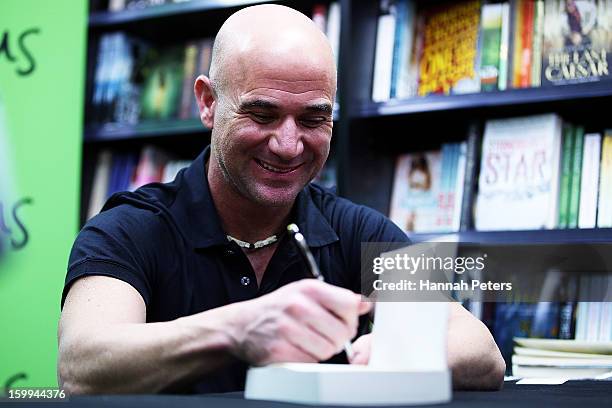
{"x": 399, "y": 42}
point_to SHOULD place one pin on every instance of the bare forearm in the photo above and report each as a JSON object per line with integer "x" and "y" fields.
{"x": 473, "y": 356}
{"x": 142, "y": 357}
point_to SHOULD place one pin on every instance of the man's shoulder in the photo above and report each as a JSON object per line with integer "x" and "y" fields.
{"x": 145, "y": 210}
{"x": 353, "y": 220}
{"x": 332, "y": 205}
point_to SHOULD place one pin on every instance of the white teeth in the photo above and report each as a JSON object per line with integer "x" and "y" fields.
{"x": 272, "y": 168}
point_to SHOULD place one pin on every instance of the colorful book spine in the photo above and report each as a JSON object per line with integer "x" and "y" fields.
{"x": 444, "y": 187}
{"x": 604, "y": 215}
{"x": 399, "y": 44}
{"x": 538, "y": 34}
{"x": 189, "y": 74}
{"x": 490, "y": 39}
{"x": 504, "y": 47}
{"x": 572, "y": 219}
{"x": 319, "y": 16}
{"x": 566, "y": 173}
{"x": 526, "y": 43}
{"x": 452, "y": 186}
{"x": 517, "y": 43}
{"x": 407, "y": 77}
{"x": 591, "y": 159}
{"x": 567, "y": 320}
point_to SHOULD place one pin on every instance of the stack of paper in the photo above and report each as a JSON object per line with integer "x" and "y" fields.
{"x": 554, "y": 358}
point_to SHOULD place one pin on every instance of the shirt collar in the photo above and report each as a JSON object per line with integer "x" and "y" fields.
{"x": 199, "y": 220}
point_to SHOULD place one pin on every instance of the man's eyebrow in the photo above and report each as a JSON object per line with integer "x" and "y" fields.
{"x": 320, "y": 107}
{"x": 257, "y": 103}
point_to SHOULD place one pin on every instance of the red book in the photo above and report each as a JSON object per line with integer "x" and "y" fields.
{"x": 527, "y": 43}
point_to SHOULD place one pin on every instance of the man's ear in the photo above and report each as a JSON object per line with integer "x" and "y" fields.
{"x": 205, "y": 96}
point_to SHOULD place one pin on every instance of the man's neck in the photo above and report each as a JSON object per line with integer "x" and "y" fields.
{"x": 242, "y": 218}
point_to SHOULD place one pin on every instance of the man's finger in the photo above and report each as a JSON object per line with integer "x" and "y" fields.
{"x": 365, "y": 307}
{"x": 341, "y": 302}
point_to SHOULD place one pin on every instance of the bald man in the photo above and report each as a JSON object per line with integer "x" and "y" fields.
{"x": 180, "y": 287}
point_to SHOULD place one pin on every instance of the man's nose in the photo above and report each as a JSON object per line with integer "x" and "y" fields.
{"x": 286, "y": 142}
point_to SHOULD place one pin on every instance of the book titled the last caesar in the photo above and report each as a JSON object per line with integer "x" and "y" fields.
{"x": 577, "y": 41}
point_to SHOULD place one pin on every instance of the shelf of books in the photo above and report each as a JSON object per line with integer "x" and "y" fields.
{"x": 529, "y": 179}
{"x": 487, "y": 54}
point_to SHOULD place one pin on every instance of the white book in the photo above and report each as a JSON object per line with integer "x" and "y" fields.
{"x": 99, "y": 189}
{"x": 582, "y": 308}
{"x": 589, "y": 183}
{"x": 519, "y": 175}
{"x": 333, "y": 28}
{"x": 558, "y": 372}
{"x": 383, "y": 57}
{"x": 593, "y": 320}
{"x": 563, "y": 345}
{"x": 549, "y": 361}
{"x": 605, "y": 325}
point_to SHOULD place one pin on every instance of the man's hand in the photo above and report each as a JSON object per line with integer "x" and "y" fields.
{"x": 473, "y": 356}
{"x": 361, "y": 350}
{"x": 305, "y": 321}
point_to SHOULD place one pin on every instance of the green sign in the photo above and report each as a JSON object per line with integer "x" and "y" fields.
{"x": 42, "y": 65}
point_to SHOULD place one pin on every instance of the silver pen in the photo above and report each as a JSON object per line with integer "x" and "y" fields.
{"x": 302, "y": 245}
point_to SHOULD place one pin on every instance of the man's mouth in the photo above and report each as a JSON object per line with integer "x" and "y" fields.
{"x": 276, "y": 169}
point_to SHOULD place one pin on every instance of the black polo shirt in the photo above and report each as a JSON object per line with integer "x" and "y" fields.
{"x": 166, "y": 240}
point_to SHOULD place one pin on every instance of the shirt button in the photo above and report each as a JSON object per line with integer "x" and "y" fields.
{"x": 228, "y": 252}
{"x": 245, "y": 281}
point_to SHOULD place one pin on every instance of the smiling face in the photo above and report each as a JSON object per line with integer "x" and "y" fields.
{"x": 272, "y": 118}
{"x": 272, "y": 133}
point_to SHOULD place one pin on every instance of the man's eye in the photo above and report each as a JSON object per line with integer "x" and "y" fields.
{"x": 261, "y": 118}
{"x": 313, "y": 122}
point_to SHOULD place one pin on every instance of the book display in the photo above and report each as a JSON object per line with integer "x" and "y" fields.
{"x": 474, "y": 121}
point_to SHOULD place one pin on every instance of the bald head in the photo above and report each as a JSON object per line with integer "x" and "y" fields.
{"x": 267, "y": 35}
